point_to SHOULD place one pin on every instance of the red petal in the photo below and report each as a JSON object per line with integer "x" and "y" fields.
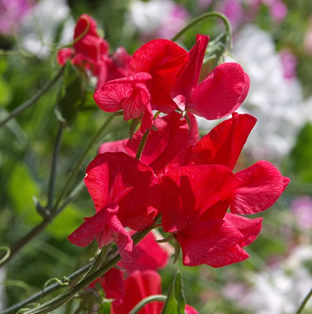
{"x": 113, "y": 94}
{"x": 189, "y": 192}
{"x": 221, "y": 93}
{"x": 151, "y": 256}
{"x": 115, "y": 147}
{"x": 262, "y": 184}
{"x": 249, "y": 228}
{"x": 188, "y": 77}
{"x": 215, "y": 243}
{"x": 223, "y": 144}
{"x": 163, "y": 59}
{"x": 123, "y": 240}
{"x": 63, "y": 55}
{"x": 87, "y": 42}
{"x": 113, "y": 285}
{"x": 181, "y": 137}
{"x": 121, "y": 179}
{"x": 138, "y": 286}
{"x": 156, "y": 143}
{"x": 94, "y": 227}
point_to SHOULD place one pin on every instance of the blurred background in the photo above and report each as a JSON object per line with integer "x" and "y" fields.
{"x": 272, "y": 40}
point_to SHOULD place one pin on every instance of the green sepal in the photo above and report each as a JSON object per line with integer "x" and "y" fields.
{"x": 72, "y": 94}
{"x": 214, "y": 54}
{"x": 175, "y": 303}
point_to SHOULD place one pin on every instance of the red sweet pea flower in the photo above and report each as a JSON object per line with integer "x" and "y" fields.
{"x": 261, "y": 184}
{"x": 166, "y": 145}
{"x": 125, "y": 193}
{"x": 91, "y": 52}
{"x": 224, "y": 143}
{"x": 218, "y": 95}
{"x": 195, "y": 201}
{"x": 152, "y": 256}
{"x": 129, "y": 292}
{"x": 173, "y": 83}
{"x": 130, "y": 95}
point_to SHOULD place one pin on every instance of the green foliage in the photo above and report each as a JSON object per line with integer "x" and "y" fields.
{"x": 71, "y": 95}
{"x": 175, "y": 302}
{"x": 301, "y": 155}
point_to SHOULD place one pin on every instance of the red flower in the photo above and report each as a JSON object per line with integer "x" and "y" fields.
{"x": 261, "y": 184}
{"x": 90, "y": 51}
{"x": 152, "y": 256}
{"x": 173, "y": 82}
{"x": 125, "y": 193}
{"x": 224, "y": 143}
{"x": 127, "y": 293}
{"x": 130, "y": 95}
{"x": 218, "y": 95}
{"x": 196, "y": 199}
{"x": 166, "y": 145}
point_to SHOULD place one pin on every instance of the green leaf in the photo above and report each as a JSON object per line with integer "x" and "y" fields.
{"x": 71, "y": 95}
{"x": 22, "y": 188}
{"x": 175, "y": 303}
{"x": 5, "y": 92}
{"x": 301, "y": 155}
{"x": 66, "y": 222}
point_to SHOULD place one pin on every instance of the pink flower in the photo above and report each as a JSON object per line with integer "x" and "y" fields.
{"x": 302, "y": 210}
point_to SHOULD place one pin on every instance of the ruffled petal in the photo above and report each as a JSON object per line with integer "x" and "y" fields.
{"x": 123, "y": 240}
{"x": 223, "y": 144}
{"x": 249, "y": 228}
{"x": 114, "y": 147}
{"x": 94, "y": 227}
{"x": 163, "y": 59}
{"x": 138, "y": 286}
{"x": 189, "y": 192}
{"x": 188, "y": 77}
{"x": 215, "y": 243}
{"x": 123, "y": 180}
{"x": 114, "y": 95}
{"x": 151, "y": 256}
{"x": 262, "y": 184}
{"x": 221, "y": 93}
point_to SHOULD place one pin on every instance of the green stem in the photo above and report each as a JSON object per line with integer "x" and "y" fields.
{"x": 33, "y": 99}
{"x": 6, "y": 254}
{"x": 142, "y": 144}
{"x": 46, "y": 291}
{"x": 304, "y": 302}
{"x": 17, "y": 246}
{"x": 56, "y": 151}
{"x": 142, "y": 303}
{"x": 203, "y": 17}
{"x": 81, "y": 159}
{"x": 69, "y": 294}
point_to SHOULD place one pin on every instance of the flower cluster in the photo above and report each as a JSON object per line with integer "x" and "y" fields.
{"x": 164, "y": 170}
{"x": 90, "y": 52}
